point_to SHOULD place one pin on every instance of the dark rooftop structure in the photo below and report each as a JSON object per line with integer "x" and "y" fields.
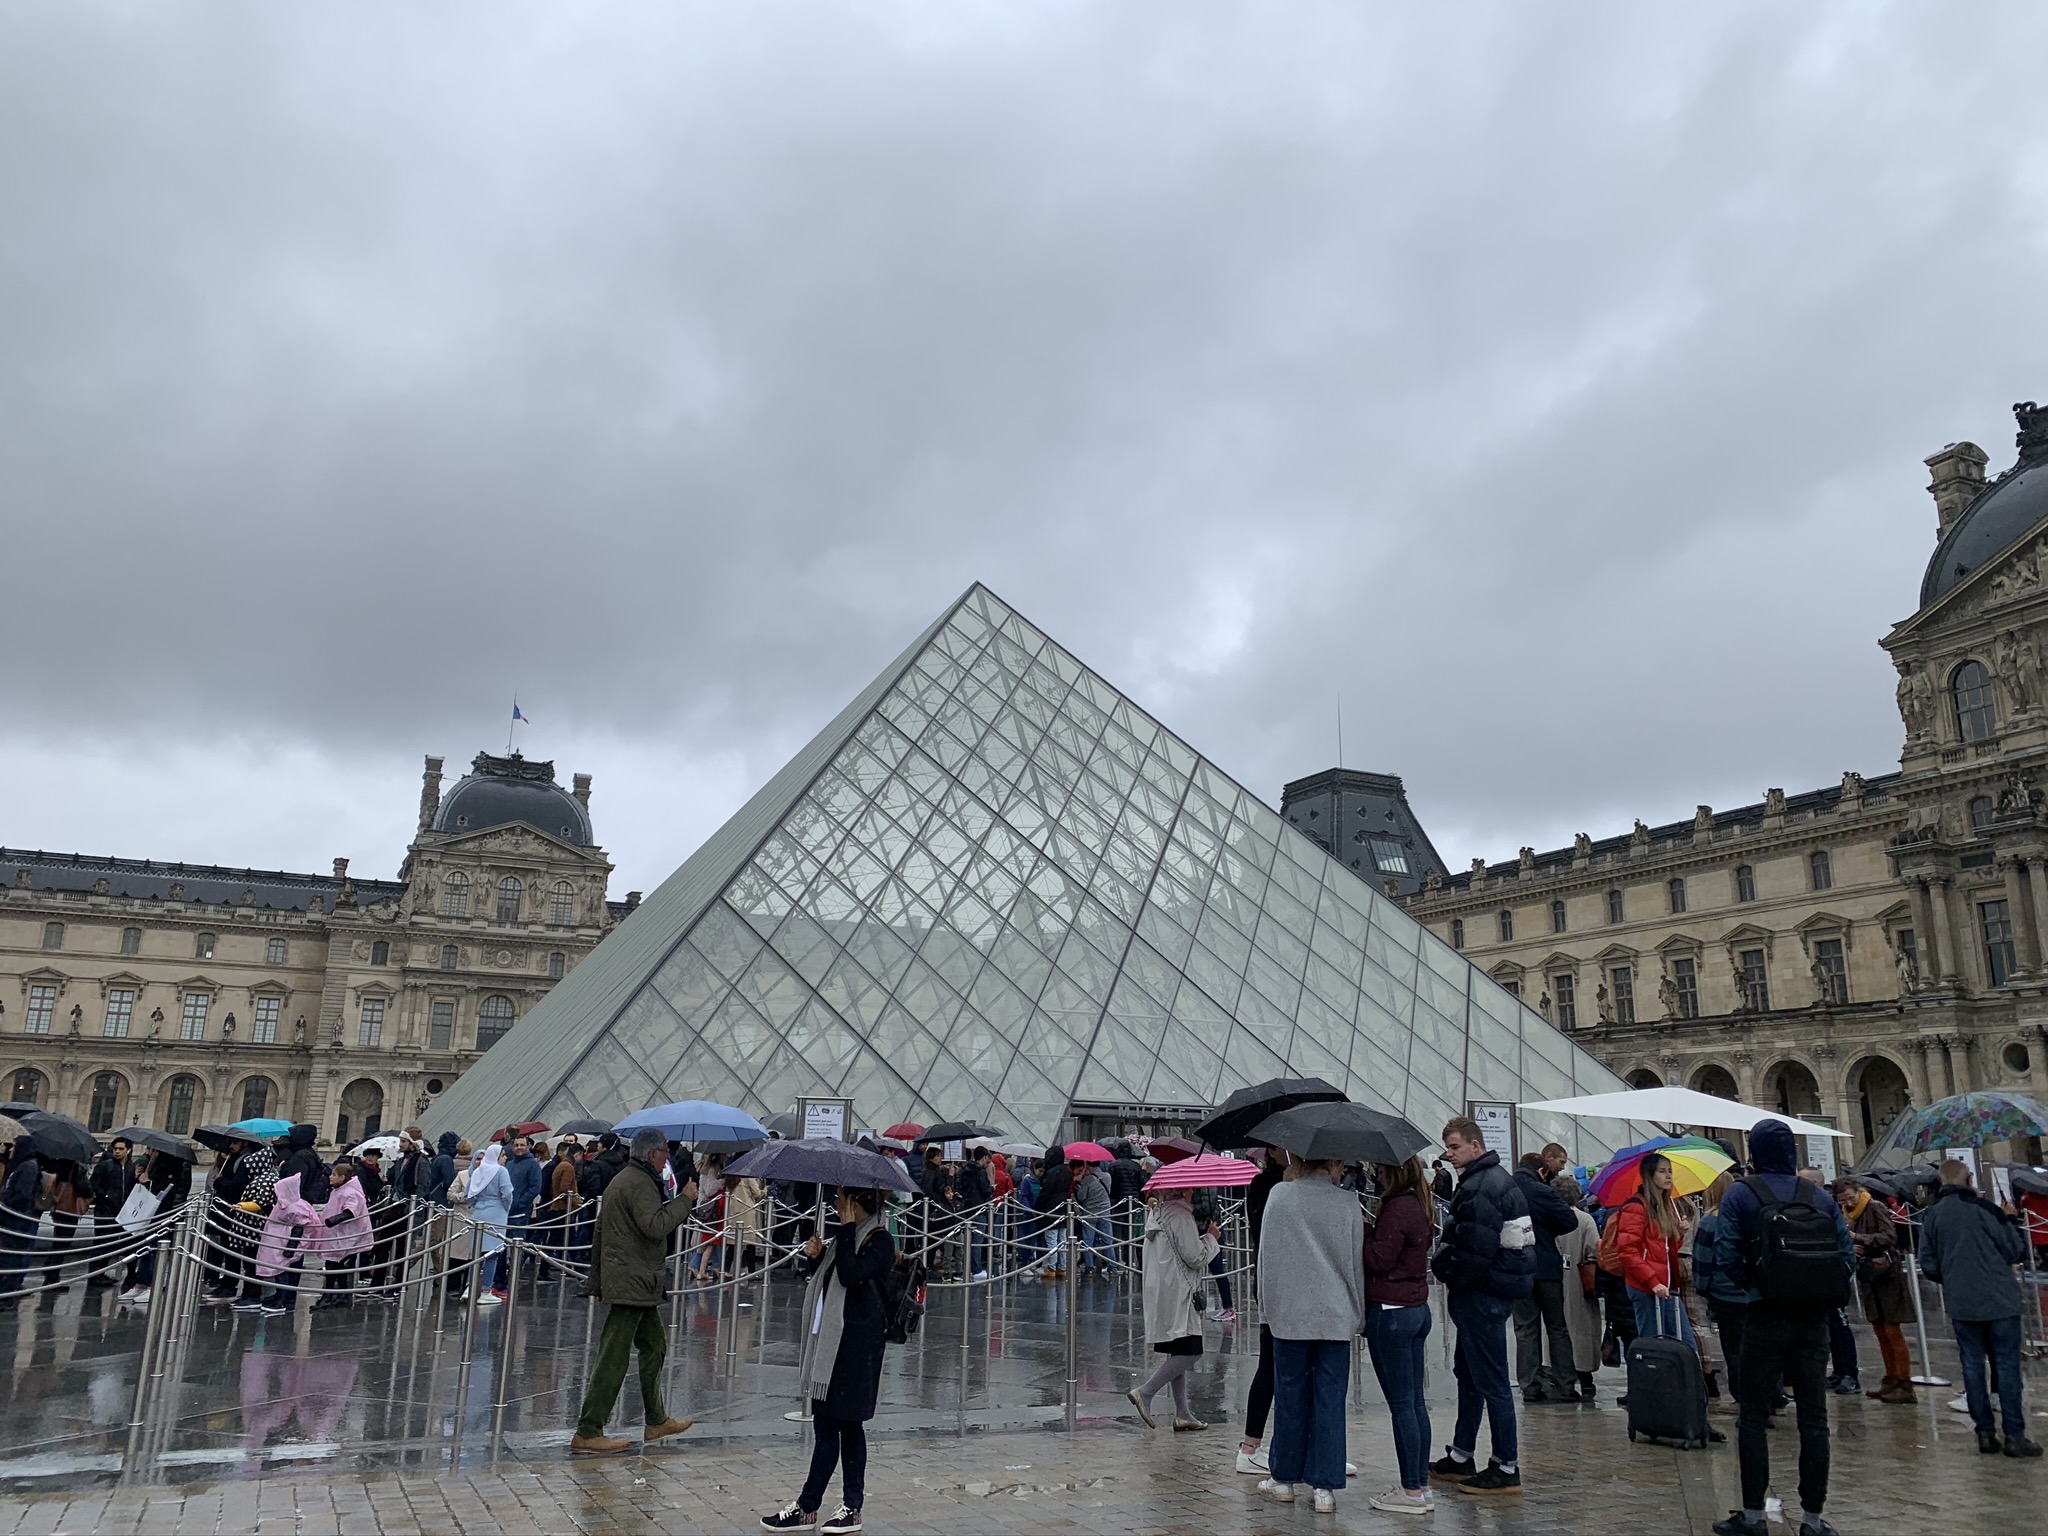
{"x": 85, "y": 874}
{"x": 1363, "y": 820}
{"x": 507, "y": 791}
{"x": 2008, "y": 508}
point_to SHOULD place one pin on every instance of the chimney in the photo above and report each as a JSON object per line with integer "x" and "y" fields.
{"x": 430, "y": 793}
{"x": 341, "y": 869}
{"x": 582, "y": 790}
{"x": 632, "y": 900}
{"x": 1956, "y": 475}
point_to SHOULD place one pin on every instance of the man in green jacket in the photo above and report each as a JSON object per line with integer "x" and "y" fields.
{"x": 627, "y": 1260}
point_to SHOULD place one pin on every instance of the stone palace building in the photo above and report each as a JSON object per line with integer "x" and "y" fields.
{"x": 133, "y": 991}
{"x": 1849, "y": 950}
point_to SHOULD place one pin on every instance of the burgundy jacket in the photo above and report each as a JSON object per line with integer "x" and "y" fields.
{"x": 1397, "y": 1253}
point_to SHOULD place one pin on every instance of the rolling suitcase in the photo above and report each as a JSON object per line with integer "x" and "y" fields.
{"x": 1667, "y": 1390}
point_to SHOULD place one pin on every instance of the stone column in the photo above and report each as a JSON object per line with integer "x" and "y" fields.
{"x": 2025, "y": 940}
{"x": 1941, "y": 1069}
{"x": 1917, "y": 1050}
{"x": 2037, "y": 885}
{"x": 1929, "y": 956}
{"x": 1944, "y": 928}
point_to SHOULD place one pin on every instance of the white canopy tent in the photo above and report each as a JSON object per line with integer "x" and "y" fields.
{"x": 1677, "y": 1106}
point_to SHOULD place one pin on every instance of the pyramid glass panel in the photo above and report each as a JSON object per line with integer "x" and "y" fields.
{"x": 995, "y": 888}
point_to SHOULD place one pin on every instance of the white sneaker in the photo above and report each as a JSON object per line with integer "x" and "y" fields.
{"x": 979, "y": 1274}
{"x": 489, "y": 1300}
{"x": 1280, "y": 1493}
{"x": 138, "y": 1298}
{"x": 1326, "y": 1502}
{"x": 1399, "y": 1501}
{"x": 1959, "y": 1405}
{"x": 1253, "y": 1463}
{"x": 1351, "y": 1469}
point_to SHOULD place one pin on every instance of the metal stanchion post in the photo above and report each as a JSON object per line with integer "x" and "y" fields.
{"x": 152, "y": 1334}
{"x": 471, "y": 1292}
{"x": 1073, "y": 1350}
{"x": 507, "y": 1346}
{"x": 1926, "y": 1378}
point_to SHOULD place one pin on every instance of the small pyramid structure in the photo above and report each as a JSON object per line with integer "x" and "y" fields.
{"x": 995, "y": 889}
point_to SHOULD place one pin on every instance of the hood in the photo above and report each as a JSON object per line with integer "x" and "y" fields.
{"x": 448, "y": 1143}
{"x": 1773, "y": 1148}
{"x": 302, "y": 1137}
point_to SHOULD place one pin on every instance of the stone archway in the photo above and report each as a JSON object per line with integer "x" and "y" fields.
{"x": 1643, "y": 1077}
{"x": 1882, "y": 1094}
{"x": 362, "y": 1111}
{"x": 1790, "y": 1088}
{"x": 1715, "y": 1079}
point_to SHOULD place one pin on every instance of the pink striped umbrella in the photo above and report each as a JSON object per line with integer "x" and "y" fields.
{"x": 1208, "y": 1171}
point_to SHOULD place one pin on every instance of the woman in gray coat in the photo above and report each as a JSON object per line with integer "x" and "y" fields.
{"x": 1177, "y": 1256}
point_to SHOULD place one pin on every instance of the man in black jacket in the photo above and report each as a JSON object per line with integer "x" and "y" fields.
{"x": 1486, "y": 1266}
{"x": 601, "y": 1167}
{"x": 1126, "y": 1186}
{"x": 1055, "y": 1189}
{"x": 1968, "y": 1247}
{"x": 973, "y": 1188}
{"x": 1542, "y": 1311}
{"x": 300, "y": 1158}
{"x": 440, "y": 1175}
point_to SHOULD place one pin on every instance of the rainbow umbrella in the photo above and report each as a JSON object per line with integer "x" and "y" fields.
{"x": 1695, "y": 1163}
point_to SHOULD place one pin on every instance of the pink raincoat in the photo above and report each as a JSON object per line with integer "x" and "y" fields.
{"x": 350, "y": 1236}
{"x": 275, "y": 1249}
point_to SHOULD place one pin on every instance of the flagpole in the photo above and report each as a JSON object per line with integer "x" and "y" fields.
{"x": 511, "y": 725}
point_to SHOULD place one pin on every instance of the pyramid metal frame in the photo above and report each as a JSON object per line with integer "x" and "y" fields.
{"x": 992, "y": 888}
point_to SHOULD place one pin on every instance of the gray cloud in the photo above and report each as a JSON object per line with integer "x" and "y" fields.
{"x": 1553, "y": 385}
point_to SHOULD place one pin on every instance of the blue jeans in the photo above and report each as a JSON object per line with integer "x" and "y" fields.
{"x": 2000, "y": 1339}
{"x": 1095, "y": 1239}
{"x": 1485, "y": 1384}
{"x": 1394, "y": 1336}
{"x": 1647, "y": 1327}
{"x": 1310, "y": 1377}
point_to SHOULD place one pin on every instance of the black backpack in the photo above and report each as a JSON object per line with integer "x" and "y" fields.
{"x": 1796, "y": 1256}
{"x": 902, "y": 1299}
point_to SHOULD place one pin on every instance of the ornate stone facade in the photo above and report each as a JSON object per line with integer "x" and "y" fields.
{"x": 173, "y": 995}
{"x": 1853, "y": 949}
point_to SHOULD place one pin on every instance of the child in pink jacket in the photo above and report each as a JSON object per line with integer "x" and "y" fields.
{"x": 285, "y": 1230}
{"x": 343, "y": 1235}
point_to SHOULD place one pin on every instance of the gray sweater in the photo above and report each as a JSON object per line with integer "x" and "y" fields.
{"x": 1312, "y": 1261}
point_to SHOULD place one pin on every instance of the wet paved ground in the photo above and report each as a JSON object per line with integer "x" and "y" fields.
{"x": 345, "y": 1423}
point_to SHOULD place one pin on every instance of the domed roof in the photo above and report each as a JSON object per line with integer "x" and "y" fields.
{"x": 2005, "y": 511}
{"x": 504, "y": 791}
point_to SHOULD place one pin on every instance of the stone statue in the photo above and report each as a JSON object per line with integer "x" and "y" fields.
{"x": 227, "y": 1027}
{"x": 1543, "y": 1004}
{"x": 1703, "y": 819}
{"x": 77, "y": 1014}
{"x": 1741, "y": 990}
{"x": 1582, "y": 846}
{"x": 1909, "y": 973}
{"x": 1527, "y": 858}
{"x": 2032, "y": 437}
{"x": 299, "y": 1030}
{"x": 1823, "y": 982}
{"x": 1602, "y": 1004}
{"x": 1667, "y": 994}
{"x": 2007, "y": 660}
{"x": 156, "y": 1023}
{"x": 1916, "y": 701}
{"x": 1639, "y": 840}
{"x": 2027, "y": 658}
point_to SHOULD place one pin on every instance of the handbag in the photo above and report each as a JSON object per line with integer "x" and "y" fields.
{"x": 139, "y": 1208}
{"x": 1589, "y": 1279}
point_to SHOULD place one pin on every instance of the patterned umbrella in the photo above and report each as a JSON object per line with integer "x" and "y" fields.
{"x": 1208, "y": 1171}
{"x": 1695, "y": 1163}
{"x": 1971, "y": 1119}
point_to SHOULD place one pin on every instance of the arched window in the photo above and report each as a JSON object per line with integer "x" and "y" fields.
{"x": 28, "y": 1086}
{"x": 202, "y": 946}
{"x": 557, "y": 964}
{"x": 1745, "y": 883}
{"x": 104, "y": 1108}
{"x": 1980, "y": 813}
{"x": 562, "y": 905}
{"x": 1457, "y": 933}
{"x": 1507, "y": 927}
{"x": 362, "y": 1111}
{"x": 255, "y": 1098}
{"x": 380, "y": 953}
{"x": 451, "y": 957}
{"x": 1614, "y": 906}
{"x": 455, "y": 894}
{"x": 509, "y": 892}
{"x": 1675, "y": 888}
{"x": 1976, "y": 714}
{"x": 179, "y": 1103}
{"x": 53, "y": 935}
{"x": 493, "y": 1019}
{"x": 1557, "y": 917}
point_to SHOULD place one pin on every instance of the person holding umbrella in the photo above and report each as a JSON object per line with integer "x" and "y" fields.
{"x": 18, "y": 1216}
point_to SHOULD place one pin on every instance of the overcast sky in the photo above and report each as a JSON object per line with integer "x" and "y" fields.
{"x": 1551, "y": 382}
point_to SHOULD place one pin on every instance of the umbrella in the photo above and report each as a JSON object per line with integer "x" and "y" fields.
{"x": 907, "y": 1130}
{"x": 1348, "y": 1131}
{"x": 11, "y": 1130}
{"x": 956, "y": 1130}
{"x": 1172, "y": 1149}
{"x": 59, "y": 1137}
{"x": 1021, "y": 1149}
{"x": 1971, "y": 1119}
{"x": 1231, "y": 1125}
{"x": 523, "y": 1128}
{"x": 156, "y": 1141}
{"x": 1676, "y": 1106}
{"x": 726, "y": 1146}
{"x": 1695, "y": 1163}
{"x": 786, "y": 1125}
{"x": 261, "y": 1129}
{"x": 384, "y": 1146}
{"x": 1087, "y": 1152}
{"x": 16, "y": 1108}
{"x": 584, "y": 1127}
{"x": 823, "y": 1162}
{"x": 695, "y": 1120}
{"x": 1205, "y": 1170}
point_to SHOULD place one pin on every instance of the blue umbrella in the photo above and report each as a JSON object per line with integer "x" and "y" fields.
{"x": 822, "y": 1162}
{"x": 260, "y": 1129}
{"x": 695, "y": 1120}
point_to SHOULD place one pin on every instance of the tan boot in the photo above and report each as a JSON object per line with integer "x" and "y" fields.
{"x": 665, "y": 1429}
{"x": 1882, "y": 1387}
{"x": 1901, "y": 1392}
{"x": 598, "y": 1445}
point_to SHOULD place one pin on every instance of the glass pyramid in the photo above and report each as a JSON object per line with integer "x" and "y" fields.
{"x": 994, "y": 888}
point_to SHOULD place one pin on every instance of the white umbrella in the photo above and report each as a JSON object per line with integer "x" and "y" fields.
{"x": 1677, "y": 1106}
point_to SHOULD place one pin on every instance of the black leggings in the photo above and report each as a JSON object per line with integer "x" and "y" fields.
{"x": 839, "y": 1441}
{"x": 1258, "y": 1402}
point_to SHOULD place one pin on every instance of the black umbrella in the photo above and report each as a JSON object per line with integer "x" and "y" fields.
{"x": 219, "y": 1137}
{"x": 822, "y": 1162}
{"x": 157, "y": 1141}
{"x": 1231, "y": 1126}
{"x": 584, "y": 1127}
{"x": 19, "y": 1107}
{"x": 956, "y": 1130}
{"x": 59, "y": 1137}
{"x": 1350, "y": 1132}
{"x": 725, "y": 1148}
{"x": 784, "y": 1125}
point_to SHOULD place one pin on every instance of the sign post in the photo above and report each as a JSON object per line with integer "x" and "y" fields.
{"x": 825, "y": 1119}
{"x": 1820, "y": 1150}
{"x": 1496, "y": 1127}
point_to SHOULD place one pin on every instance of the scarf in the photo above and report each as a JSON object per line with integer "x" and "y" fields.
{"x": 1856, "y": 1207}
{"x": 824, "y": 1319}
{"x": 486, "y": 1165}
